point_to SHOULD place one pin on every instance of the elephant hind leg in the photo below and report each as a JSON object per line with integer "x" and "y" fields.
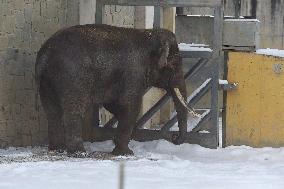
{"x": 75, "y": 106}
{"x": 55, "y": 132}
{"x": 54, "y": 117}
{"x": 73, "y": 132}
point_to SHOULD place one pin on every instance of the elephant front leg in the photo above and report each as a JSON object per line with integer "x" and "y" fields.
{"x": 122, "y": 138}
{"x": 126, "y": 122}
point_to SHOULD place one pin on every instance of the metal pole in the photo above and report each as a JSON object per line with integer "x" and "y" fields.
{"x": 100, "y": 9}
{"x": 121, "y": 175}
{"x": 237, "y": 4}
{"x": 158, "y": 17}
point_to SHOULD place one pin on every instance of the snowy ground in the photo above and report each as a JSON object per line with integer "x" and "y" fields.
{"x": 157, "y": 164}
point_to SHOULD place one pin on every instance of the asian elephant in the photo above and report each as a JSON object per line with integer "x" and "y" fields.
{"x": 91, "y": 64}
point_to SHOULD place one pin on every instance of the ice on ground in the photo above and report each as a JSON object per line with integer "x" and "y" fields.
{"x": 157, "y": 164}
{"x": 271, "y": 52}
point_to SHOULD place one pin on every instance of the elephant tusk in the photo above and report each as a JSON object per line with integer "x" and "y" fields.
{"x": 184, "y": 103}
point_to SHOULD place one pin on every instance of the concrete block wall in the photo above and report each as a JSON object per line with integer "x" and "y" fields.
{"x": 269, "y": 12}
{"x": 24, "y": 26}
{"x": 114, "y": 15}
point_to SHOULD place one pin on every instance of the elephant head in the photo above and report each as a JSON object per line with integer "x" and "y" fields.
{"x": 166, "y": 73}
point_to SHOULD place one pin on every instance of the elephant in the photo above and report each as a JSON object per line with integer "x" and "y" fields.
{"x": 96, "y": 64}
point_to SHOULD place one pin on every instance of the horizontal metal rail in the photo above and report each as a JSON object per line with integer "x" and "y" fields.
{"x": 164, "y": 3}
{"x": 197, "y": 66}
{"x": 196, "y": 54}
{"x": 204, "y": 139}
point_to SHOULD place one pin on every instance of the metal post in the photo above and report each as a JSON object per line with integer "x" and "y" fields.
{"x": 158, "y": 17}
{"x": 237, "y": 4}
{"x": 100, "y": 9}
{"x": 217, "y": 49}
{"x": 121, "y": 175}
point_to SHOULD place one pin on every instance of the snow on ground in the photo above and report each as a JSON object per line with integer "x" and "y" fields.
{"x": 156, "y": 164}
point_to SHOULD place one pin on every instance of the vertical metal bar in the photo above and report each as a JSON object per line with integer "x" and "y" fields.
{"x": 121, "y": 175}
{"x": 217, "y": 47}
{"x": 180, "y": 10}
{"x": 253, "y": 4}
{"x": 158, "y": 17}
{"x": 100, "y": 9}
{"x": 237, "y": 4}
{"x": 224, "y": 113}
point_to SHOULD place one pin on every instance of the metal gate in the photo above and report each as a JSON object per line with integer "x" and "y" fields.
{"x": 209, "y": 138}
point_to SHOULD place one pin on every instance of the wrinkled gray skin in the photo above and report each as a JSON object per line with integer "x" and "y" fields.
{"x": 98, "y": 64}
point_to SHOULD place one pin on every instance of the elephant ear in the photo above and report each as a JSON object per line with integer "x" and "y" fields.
{"x": 164, "y": 53}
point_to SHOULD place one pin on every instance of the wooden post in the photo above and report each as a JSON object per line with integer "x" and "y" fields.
{"x": 169, "y": 21}
{"x": 169, "y": 14}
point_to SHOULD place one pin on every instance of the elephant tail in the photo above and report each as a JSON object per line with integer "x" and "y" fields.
{"x": 40, "y": 65}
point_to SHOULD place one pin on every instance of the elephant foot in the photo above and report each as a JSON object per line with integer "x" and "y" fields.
{"x": 76, "y": 148}
{"x": 177, "y": 139}
{"x": 119, "y": 151}
{"x": 57, "y": 148}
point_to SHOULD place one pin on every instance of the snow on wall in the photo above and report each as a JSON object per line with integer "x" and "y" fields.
{"x": 193, "y": 47}
{"x": 271, "y": 52}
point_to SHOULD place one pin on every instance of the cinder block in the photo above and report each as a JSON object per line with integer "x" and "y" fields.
{"x": 28, "y": 13}
{"x": 26, "y": 140}
{"x": 3, "y": 127}
{"x": 4, "y": 141}
{"x": 4, "y": 42}
{"x": 20, "y": 19}
{"x": 5, "y": 112}
{"x": 4, "y": 8}
{"x": 29, "y": 81}
{"x": 36, "y": 10}
{"x": 51, "y": 9}
{"x": 19, "y": 5}
{"x": 10, "y": 24}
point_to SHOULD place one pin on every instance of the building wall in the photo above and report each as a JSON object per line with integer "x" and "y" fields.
{"x": 24, "y": 26}
{"x": 269, "y": 12}
{"x": 271, "y": 16}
